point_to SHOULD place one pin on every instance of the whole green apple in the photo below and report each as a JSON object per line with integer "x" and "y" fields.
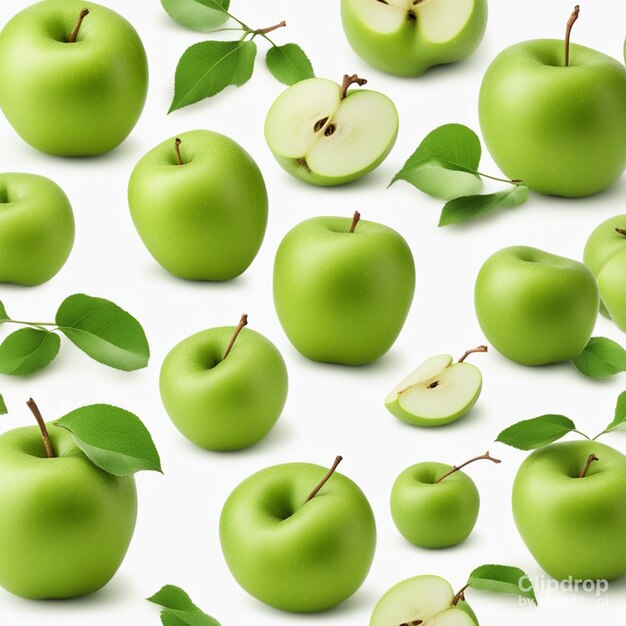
{"x": 535, "y": 307}
{"x": 326, "y": 135}
{"x": 195, "y": 15}
{"x": 36, "y": 229}
{"x": 554, "y": 115}
{"x": 292, "y": 548}
{"x": 605, "y": 255}
{"x": 224, "y": 388}
{"x": 406, "y": 37}
{"x": 343, "y": 290}
{"x": 74, "y": 77}
{"x": 66, "y": 524}
{"x": 572, "y": 513}
{"x": 199, "y": 204}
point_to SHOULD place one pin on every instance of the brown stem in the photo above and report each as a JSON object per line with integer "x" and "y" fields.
{"x": 460, "y": 595}
{"x": 324, "y": 480}
{"x": 269, "y": 29}
{"x": 486, "y": 457}
{"x": 568, "y": 31}
{"x": 473, "y": 351}
{"x": 82, "y": 15}
{"x": 621, "y": 231}
{"x": 356, "y": 218}
{"x": 177, "y": 143}
{"x": 590, "y": 459}
{"x": 350, "y": 80}
{"x": 242, "y": 322}
{"x": 42, "y": 426}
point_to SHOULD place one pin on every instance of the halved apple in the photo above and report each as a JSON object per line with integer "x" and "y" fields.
{"x": 326, "y": 135}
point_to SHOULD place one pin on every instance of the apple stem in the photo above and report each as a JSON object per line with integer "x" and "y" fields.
{"x": 355, "y": 220}
{"x": 621, "y": 231}
{"x": 82, "y": 15}
{"x": 351, "y": 80}
{"x": 473, "y": 351}
{"x": 177, "y": 143}
{"x": 42, "y": 426}
{"x": 269, "y": 29}
{"x": 460, "y": 595}
{"x": 324, "y": 480}
{"x": 590, "y": 459}
{"x": 486, "y": 457}
{"x": 568, "y": 31}
{"x": 242, "y": 322}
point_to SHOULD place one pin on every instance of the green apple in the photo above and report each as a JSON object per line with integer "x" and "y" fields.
{"x": 292, "y": 548}
{"x": 559, "y": 126}
{"x": 199, "y": 204}
{"x": 74, "y": 77}
{"x": 342, "y": 292}
{"x": 195, "y": 15}
{"x": 435, "y": 505}
{"x": 326, "y": 135}
{"x": 605, "y": 255}
{"x": 224, "y": 388}
{"x": 572, "y": 514}
{"x": 535, "y": 307}
{"x": 66, "y": 524}
{"x": 406, "y": 37}
{"x": 425, "y": 600}
{"x": 36, "y": 229}
{"x": 438, "y": 392}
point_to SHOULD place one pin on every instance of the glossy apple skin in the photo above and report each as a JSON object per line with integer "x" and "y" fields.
{"x": 535, "y": 307}
{"x": 224, "y": 404}
{"x": 36, "y": 229}
{"x": 573, "y": 526}
{"x": 343, "y": 297}
{"x": 295, "y": 555}
{"x": 562, "y": 130}
{"x": 430, "y": 514}
{"x": 205, "y": 219}
{"x": 65, "y": 525}
{"x": 77, "y": 99}
{"x": 406, "y": 52}
{"x": 605, "y": 255}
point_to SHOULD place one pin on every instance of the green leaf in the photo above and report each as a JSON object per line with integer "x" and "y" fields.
{"x": 3, "y": 406}
{"x": 601, "y": 358}
{"x": 3, "y": 313}
{"x": 200, "y": 15}
{"x": 208, "y": 67}
{"x": 289, "y": 64}
{"x": 113, "y": 439}
{"x": 217, "y": 5}
{"x": 178, "y": 608}
{"x": 104, "y": 331}
{"x": 28, "y": 350}
{"x": 620, "y": 413}
{"x": 468, "y": 207}
{"x": 536, "y": 432}
{"x": 445, "y": 164}
{"x": 502, "y": 579}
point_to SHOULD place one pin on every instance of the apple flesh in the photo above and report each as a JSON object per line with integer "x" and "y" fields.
{"x": 405, "y": 37}
{"x": 36, "y": 229}
{"x": 324, "y": 136}
{"x": 425, "y": 600}
{"x": 573, "y": 526}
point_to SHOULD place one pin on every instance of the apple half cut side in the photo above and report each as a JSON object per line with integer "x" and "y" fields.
{"x": 322, "y": 139}
{"x": 437, "y": 392}
{"x": 423, "y": 600}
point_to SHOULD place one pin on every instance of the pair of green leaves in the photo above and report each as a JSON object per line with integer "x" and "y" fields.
{"x": 445, "y": 165}
{"x": 502, "y": 579}
{"x": 178, "y": 608}
{"x": 208, "y": 67}
{"x": 100, "y": 328}
{"x": 546, "y": 429}
{"x": 601, "y": 358}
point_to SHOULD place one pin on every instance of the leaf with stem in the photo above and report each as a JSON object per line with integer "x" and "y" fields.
{"x": 536, "y": 432}
{"x": 27, "y": 351}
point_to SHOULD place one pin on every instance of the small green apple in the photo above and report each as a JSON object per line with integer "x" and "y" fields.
{"x": 72, "y": 87}
{"x": 435, "y": 505}
{"x": 605, "y": 255}
{"x": 325, "y": 135}
{"x": 199, "y": 204}
{"x": 571, "y": 512}
{"x": 36, "y": 229}
{"x": 224, "y": 388}
{"x": 406, "y": 37}
{"x": 342, "y": 292}
{"x": 535, "y": 307}
{"x": 292, "y": 548}
{"x": 438, "y": 391}
{"x": 556, "y": 118}
{"x": 195, "y": 15}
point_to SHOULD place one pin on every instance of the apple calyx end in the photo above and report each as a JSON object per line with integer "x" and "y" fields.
{"x": 568, "y": 31}
{"x": 74, "y": 34}
{"x": 242, "y": 323}
{"x": 473, "y": 351}
{"x": 34, "y": 409}
{"x": 356, "y": 218}
{"x": 324, "y": 480}
{"x": 350, "y": 80}
{"x": 590, "y": 459}
{"x": 455, "y": 468}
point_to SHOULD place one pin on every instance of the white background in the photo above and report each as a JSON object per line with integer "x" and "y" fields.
{"x": 330, "y": 409}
